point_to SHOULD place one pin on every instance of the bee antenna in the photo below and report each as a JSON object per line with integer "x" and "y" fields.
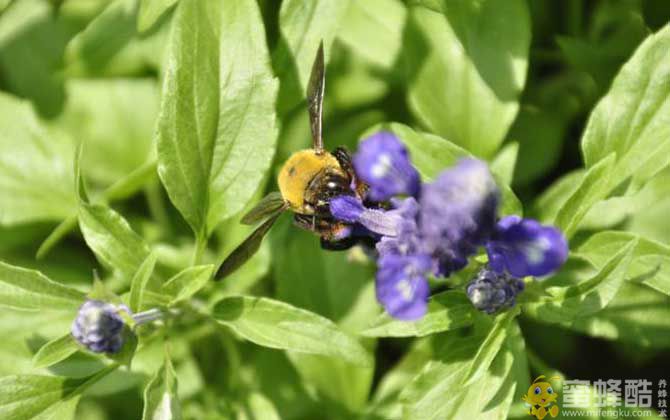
{"x": 538, "y": 378}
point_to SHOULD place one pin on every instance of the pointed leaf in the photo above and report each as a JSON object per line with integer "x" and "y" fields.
{"x": 21, "y": 288}
{"x": 633, "y": 119}
{"x": 446, "y": 311}
{"x": 188, "y": 282}
{"x": 565, "y": 304}
{"x": 216, "y": 130}
{"x": 112, "y": 239}
{"x": 465, "y": 77}
{"x": 275, "y": 324}
{"x": 54, "y": 351}
{"x": 139, "y": 283}
{"x": 160, "y": 395}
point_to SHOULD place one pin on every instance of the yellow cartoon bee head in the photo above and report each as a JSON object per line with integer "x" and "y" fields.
{"x": 540, "y": 393}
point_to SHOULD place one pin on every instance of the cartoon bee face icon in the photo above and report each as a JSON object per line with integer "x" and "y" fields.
{"x": 541, "y": 398}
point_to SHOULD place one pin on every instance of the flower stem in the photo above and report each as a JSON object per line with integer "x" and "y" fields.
{"x": 148, "y": 316}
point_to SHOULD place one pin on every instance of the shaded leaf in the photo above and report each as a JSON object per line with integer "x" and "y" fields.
{"x": 302, "y": 26}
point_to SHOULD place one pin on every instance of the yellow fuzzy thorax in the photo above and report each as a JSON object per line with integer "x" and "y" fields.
{"x": 298, "y": 171}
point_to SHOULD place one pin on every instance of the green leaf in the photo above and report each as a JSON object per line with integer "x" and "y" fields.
{"x": 188, "y": 282}
{"x": 650, "y": 264}
{"x": 35, "y": 168}
{"x": 110, "y": 45}
{"x": 565, "y": 304}
{"x": 258, "y": 406}
{"x": 637, "y": 315}
{"x": 21, "y": 288}
{"x": 467, "y": 66}
{"x": 594, "y": 187}
{"x": 216, "y": 131}
{"x": 632, "y": 120}
{"x": 26, "y": 397}
{"x": 490, "y": 347}
{"x": 446, "y": 311}
{"x": 54, "y": 351}
{"x": 302, "y": 26}
{"x": 371, "y": 29}
{"x": 112, "y": 239}
{"x": 437, "y": 391}
{"x": 275, "y": 324}
{"x": 504, "y": 163}
{"x": 139, "y": 283}
{"x": 103, "y": 114}
{"x": 160, "y": 395}
{"x": 550, "y": 202}
{"x": 151, "y": 11}
{"x": 32, "y": 40}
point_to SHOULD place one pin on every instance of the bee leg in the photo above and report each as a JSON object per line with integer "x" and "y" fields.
{"x": 338, "y": 245}
{"x": 304, "y": 221}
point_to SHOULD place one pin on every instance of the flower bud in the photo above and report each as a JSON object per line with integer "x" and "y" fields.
{"x": 99, "y": 327}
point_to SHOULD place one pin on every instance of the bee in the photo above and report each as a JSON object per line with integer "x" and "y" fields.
{"x": 307, "y": 181}
{"x": 540, "y": 397}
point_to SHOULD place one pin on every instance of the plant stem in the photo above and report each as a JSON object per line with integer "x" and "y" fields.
{"x": 148, "y": 316}
{"x": 200, "y": 245}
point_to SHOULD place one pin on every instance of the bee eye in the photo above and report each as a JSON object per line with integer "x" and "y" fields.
{"x": 550, "y": 391}
{"x": 537, "y": 390}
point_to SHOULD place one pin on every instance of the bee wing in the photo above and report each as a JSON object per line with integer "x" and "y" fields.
{"x": 246, "y": 249}
{"x": 315, "y": 91}
{"x": 270, "y": 205}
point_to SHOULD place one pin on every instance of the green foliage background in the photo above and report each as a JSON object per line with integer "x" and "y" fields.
{"x": 133, "y": 134}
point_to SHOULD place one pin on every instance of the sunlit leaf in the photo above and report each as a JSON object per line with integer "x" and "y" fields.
{"x": 467, "y": 67}
{"x": 216, "y": 131}
{"x": 275, "y": 324}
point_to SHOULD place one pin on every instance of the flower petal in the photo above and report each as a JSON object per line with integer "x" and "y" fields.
{"x": 524, "y": 247}
{"x": 382, "y": 162}
{"x": 402, "y": 287}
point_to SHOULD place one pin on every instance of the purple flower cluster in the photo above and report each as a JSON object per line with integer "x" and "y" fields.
{"x": 99, "y": 327}
{"x": 433, "y": 228}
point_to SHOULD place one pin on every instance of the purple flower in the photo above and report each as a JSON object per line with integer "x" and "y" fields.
{"x": 406, "y": 240}
{"x": 98, "y": 326}
{"x": 351, "y": 210}
{"x": 458, "y": 213}
{"x": 402, "y": 286}
{"x": 491, "y": 292}
{"x": 524, "y": 247}
{"x": 382, "y": 162}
